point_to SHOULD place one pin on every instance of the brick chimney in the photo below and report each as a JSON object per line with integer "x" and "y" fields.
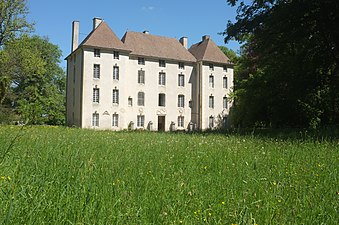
{"x": 75, "y": 35}
{"x": 184, "y": 42}
{"x": 96, "y": 22}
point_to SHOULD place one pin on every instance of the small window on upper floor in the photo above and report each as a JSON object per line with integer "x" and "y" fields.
{"x": 130, "y": 101}
{"x": 96, "y": 71}
{"x": 115, "y": 73}
{"x": 162, "y": 63}
{"x": 115, "y": 55}
{"x": 162, "y": 99}
{"x": 96, "y": 52}
{"x": 211, "y": 81}
{"x": 141, "y": 76}
{"x": 225, "y": 68}
{"x": 162, "y": 78}
{"x": 211, "y": 66}
{"x": 181, "y": 65}
{"x": 141, "y": 61}
{"x": 224, "y": 82}
{"x": 181, "y": 80}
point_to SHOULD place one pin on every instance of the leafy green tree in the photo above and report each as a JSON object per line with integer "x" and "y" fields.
{"x": 289, "y": 64}
{"x": 13, "y": 19}
{"x": 37, "y": 81}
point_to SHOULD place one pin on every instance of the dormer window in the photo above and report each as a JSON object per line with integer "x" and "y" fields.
{"x": 115, "y": 55}
{"x": 181, "y": 65}
{"x": 162, "y": 63}
{"x": 141, "y": 61}
{"x": 97, "y": 53}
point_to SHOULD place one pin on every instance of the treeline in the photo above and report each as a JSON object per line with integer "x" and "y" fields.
{"x": 287, "y": 73}
{"x": 32, "y": 84}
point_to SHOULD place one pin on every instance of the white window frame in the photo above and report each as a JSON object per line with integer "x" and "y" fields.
{"x": 162, "y": 78}
{"x": 225, "y": 102}
{"x": 224, "y": 82}
{"x": 211, "y": 102}
{"x": 140, "y": 121}
{"x": 211, "y": 81}
{"x": 115, "y": 120}
{"x": 181, "y": 121}
{"x": 181, "y": 101}
{"x": 141, "y": 76}
{"x": 130, "y": 101}
{"x": 181, "y": 80}
{"x": 116, "y": 71}
{"x": 211, "y": 122}
{"x": 162, "y": 63}
{"x": 115, "y": 96}
{"x": 181, "y": 65}
{"x": 97, "y": 53}
{"x": 116, "y": 55}
{"x": 162, "y": 100}
{"x": 141, "y": 61}
{"x": 96, "y": 95}
{"x": 95, "y": 119}
{"x": 141, "y": 98}
{"x": 96, "y": 71}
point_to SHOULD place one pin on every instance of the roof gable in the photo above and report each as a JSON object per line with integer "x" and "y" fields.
{"x": 103, "y": 37}
{"x": 208, "y": 51}
{"x": 156, "y": 46}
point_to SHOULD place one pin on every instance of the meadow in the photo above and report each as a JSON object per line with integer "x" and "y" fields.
{"x": 58, "y": 175}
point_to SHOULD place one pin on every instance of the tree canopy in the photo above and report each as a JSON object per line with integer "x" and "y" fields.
{"x": 32, "y": 84}
{"x": 288, "y": 72}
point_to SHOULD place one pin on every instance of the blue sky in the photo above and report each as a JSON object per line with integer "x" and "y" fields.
{"x": 171, "y": 18}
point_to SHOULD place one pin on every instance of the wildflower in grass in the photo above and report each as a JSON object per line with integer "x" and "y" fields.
{"x": 8, "y": 177}
{"x": 3, "y": 177}
{"x": 223, "y": 203}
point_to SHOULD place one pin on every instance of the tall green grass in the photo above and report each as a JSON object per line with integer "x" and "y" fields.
{"x": 55, "y": 175}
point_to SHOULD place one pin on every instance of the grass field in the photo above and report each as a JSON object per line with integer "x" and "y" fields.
{"x": 56, "y": 175}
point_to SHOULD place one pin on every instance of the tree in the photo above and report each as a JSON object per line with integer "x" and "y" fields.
{"x": 37, "y": 81}
{"x": 290, "y": 73}
{"x": 13, "y": 20}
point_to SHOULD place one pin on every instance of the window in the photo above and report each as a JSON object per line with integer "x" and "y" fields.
{"x": 181, "y": 80}
{"x": 224, "y": 82}
{"x": 211, "y": 122}
{"x": 115, "y": 55}
{"x": 224, "y": 102}
{"x": 180, "y": 121}
{"x": 162, "y": 99}
{"x": 130, "y": 101}
{"x": 97, "y": 52}
{"x": 181, "y": 101}
{"x": 115, "y": 120}
{"x": 115, "y": 73}
{"x": 162, "y": 63}
{"x": 96, "y": 71}
{"x": 141, "y": 98}
{"x": 225, "y": 68}
{"x": 141, "y": 61}
{"x": 115, "y": 96}
{"x": 96, "y": 95}
{"x": 211, "y": 66}
{"x": 211, "y": 102}
{"x": 162, "y": 79}
{"x": 211, "y": 81}
{"x": 140, "y": 121}
{"x": 181, "y": 65}
{"x": 95, "y": 119}
{"x": 141, "y": 77}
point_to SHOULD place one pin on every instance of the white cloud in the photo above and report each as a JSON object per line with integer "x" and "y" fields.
{"x": 149, "y": 8}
